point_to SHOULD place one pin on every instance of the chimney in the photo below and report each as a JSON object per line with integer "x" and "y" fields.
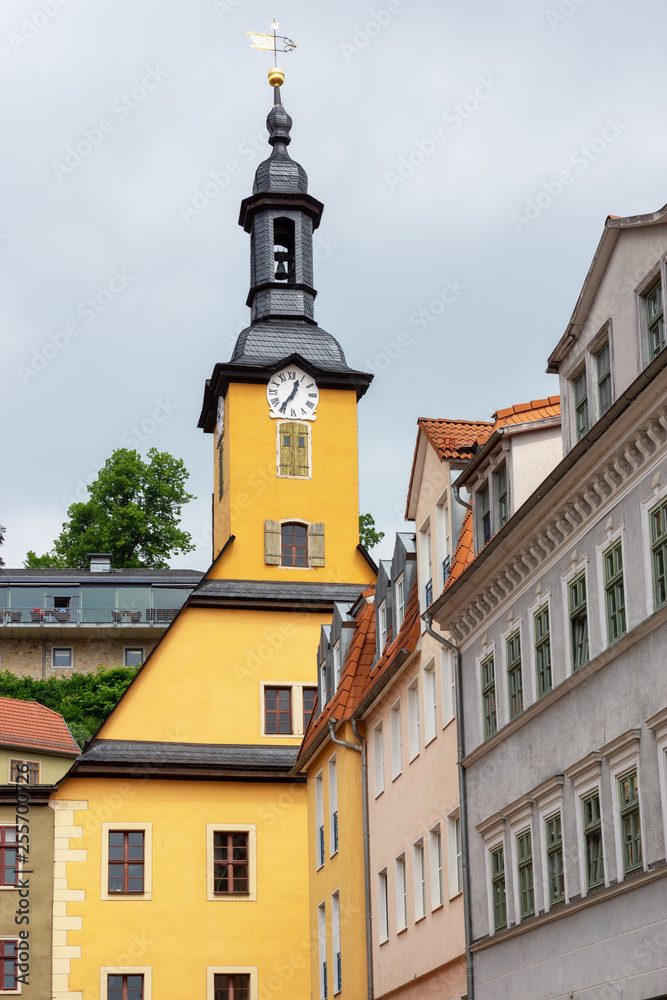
{"x": 100, "y": 562}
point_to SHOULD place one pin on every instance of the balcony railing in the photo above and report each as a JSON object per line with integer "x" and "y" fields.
{"x": 335, "y": 831}
{"x": 325, "y": 984}
{"x": 429, "y": 593}
{"x": 320, "y": 844}
{"x": 87, "y": 616}
{"x": 339, "y": 977}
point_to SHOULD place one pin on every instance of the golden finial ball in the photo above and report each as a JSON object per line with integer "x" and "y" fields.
{"x": 276, "y": 76}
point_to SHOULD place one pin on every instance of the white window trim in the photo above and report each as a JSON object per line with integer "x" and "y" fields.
{"x": 520, "y": 817}
{"x": 396, "y": 751}
{"x": 335, "y": 940}
{"x": 419, "y": 879}
{"x": 448, "y": 687}
{"x": 430, "y": 710}
{"x": 383, "y": 906}
{"x": 452, "y": 857}
{"x": 601, "y": 547}
{"x": 319, "y": 820}
{"x": 128, "y": 970}
{"x": 622, "y": 756}
{"x": 71, "y": 658}
{"x": 400, "y": 605}
{"x": 493, "y": 832}
{"x": 279, "y": 425}
{"x": 230, "y": 970}
{"x": 414, "y": 722}
{"x": 442, "y": 536}
{"x": 549, "y": 800}
{"x": 576, "y": 568}
{"x": 382, "y": 632}
{"x": 378, "y": 766}
{"x": 127, "y": 897}
{"x": 337, "y": 667}
{"x": 658, "y": 493}
{"x": 222, "y": 827}
{"x": 332, "y": 775}
{"x": 435, "y": 863}
{"x": 425, "y": 564}
{"x": 322, "y": 944}
{"x": 401, "y": 866}
{"x": 658, "y": 723}
{"x": 586, "y": 777}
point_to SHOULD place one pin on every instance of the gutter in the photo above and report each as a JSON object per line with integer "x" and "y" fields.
{"x": 367, "y": 864}
{"x": 581, "y": 447}
{"x": 463, "y": 801}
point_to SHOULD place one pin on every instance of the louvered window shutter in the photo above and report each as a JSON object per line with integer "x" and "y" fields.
{"x": 272, "y": 543}
{"x": 317, "y": 544}
{"x": 300, "y": 449}
{"x": 287, "y": 441}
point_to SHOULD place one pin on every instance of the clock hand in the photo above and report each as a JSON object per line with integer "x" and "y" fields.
{"x": 291, "y": 396}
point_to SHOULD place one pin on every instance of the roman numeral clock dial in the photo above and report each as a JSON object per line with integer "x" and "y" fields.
{"x": 292, "y": 394}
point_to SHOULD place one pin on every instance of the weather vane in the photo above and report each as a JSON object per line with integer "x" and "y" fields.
{"x": 270, "y": 42}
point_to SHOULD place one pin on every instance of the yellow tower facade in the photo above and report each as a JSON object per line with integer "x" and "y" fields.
{"x": 181, "y": 834}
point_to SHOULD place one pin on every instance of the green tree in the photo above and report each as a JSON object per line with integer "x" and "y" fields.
{"x": 2, "y": 538}
{"x": 368, "y": 536}
{"x": 133, "y": 512}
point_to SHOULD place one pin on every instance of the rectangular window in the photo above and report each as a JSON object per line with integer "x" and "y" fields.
{"x": 542, "y": 651}
{"x": 489, "y": 697}
{"x": 293, "y": 545}
{"x": 485, "y": 515}
{"x": 319, "y": 820}
{"x": 614, "y": 592}
{"x": 578, "y": 621}
{"x": 8, "y": 958}
{"x": 448, "y": 677}
{"x": 514, "y": 675}
{"x": 25, "y": 772}
{"x": 430, "y": 705}
{"x": 335, "y": 942}
{"x": 426, "y": 566}
{"x": 309, "y": 696}
{"x": 336, "y": 664}
{"x": 498, "y": 889}
{"x": 593, "y": 841}
{"x": 555, "y": 869}
{"x": 230, "y": 863}
{"x": 61, "y": 657}
{"x": 581, "y": 404}
{"x": 277, "y": 710}
{"x": 603, "y": 363}
{"x": 126, "y": 861}
{"x": 658, "y": 521}
{"x": 413, "y": 719}
{"x": 435, "y": 857}
{"x": 231, "y": 987}
{"x": 401, "y": 894}
{"x": 524, "y": 854}
{"x": 631, "y": 835}
{"x": 134, "y": 656}
{"x": 655, "y": 322}
{"x": 503, "y": 504}
{"x": 383, "y": 907}
{"x": 126, "y": 987}
{"x": 382, "y": 625}
{"x": 322, "y": 948}
{"x": 400, "y": 602}
{"x": 396, "y": 741}
{"x": 419, "y": 878}
{"x": 8, "y": 855}
{"x": 378, "y": 759}
{"x": 333, "y": 806}
{"x": 455, "y": 853}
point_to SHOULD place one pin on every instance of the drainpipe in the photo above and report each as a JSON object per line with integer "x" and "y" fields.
{"x": 43, "y": 658}
{"x": 463, "y": 801}
{"x": 457, "y": 497}
{"x": 367, "y": 870}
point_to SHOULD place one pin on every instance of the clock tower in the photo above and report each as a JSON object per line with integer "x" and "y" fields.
{"x": 282, "y": 410}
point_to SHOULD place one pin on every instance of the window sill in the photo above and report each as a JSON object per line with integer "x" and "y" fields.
{"x": 414, "y": 757}
{"x": 448, "y": 723}
{"x": 418, "y": 920}
{"x": 378, "y": 794}
{"x": 428, "y": 742}
{"x": 438, "y": 906}
{"x": 395, "y": 776}
{"x": 456, "y": 894}
{"x": 401, "y": 930}
{"x": 333, "y": 855}
{"x": 383, "y": 941}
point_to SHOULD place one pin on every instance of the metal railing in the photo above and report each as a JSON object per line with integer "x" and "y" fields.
{"x": 87, "y": 616}
{"x": 339, "y": 977}
{"x": 335, "y": 831}
{"x": 321, "y": 844}
{"x": 325, "y": 982}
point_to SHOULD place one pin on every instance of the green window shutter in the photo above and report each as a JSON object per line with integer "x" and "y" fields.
{"x": 272, "y": 543}
{"x": 317, "y": 544}
{"x": 287, "y": 438}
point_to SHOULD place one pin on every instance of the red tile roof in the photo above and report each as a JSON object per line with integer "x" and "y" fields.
{"x": 35, "y": 727}
{"x": 463, "y": 555}
{"x": 455, "y": 439}
{"x": 407, "y": 638}
{"x": 537, "y": 409}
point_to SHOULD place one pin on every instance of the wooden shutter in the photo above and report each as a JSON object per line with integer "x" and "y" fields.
{"x": 272, "y": 543}
{"x": 300, "y": 449}
{"x": 317, "y": 544}
{"x": 286, "y": 451}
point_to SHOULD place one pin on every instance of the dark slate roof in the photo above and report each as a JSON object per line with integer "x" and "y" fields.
{"x": 269, "y": 341}
{"x": 170, "y": 577}
{"x": 280, "y": 172}
{"x": 279, "y": 589}
{"x": 200, "y": 754}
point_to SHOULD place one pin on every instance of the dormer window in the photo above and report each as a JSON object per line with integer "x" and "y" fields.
{"x": 400, "y": 602}
{"x": 655, "y": 321}
{"x": 581, "y": 404}
{"x": 283, "y": 250}
{"x": 336, "y": 663}
{"x": 382, "y": 624}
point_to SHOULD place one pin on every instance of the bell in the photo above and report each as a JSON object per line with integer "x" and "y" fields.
{"x": 281, "y": 271}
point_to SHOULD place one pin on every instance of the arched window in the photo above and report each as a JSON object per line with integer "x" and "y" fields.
{"x": 293, "y": 544}
{"x": 293, "y": 449}
{"x": 283, "y": 250}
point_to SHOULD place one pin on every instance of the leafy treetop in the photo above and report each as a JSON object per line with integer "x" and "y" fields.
{"x": 368, "y": 536}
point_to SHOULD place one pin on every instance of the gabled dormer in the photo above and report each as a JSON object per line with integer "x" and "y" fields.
{"x": 383, "y": 606}
{"x": 403, "y": 573}
{"x": 617, "y": 329}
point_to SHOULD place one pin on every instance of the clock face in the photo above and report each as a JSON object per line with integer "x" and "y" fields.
{"x": 292, "y": 394}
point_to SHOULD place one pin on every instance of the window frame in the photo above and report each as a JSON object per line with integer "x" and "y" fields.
{"x": 498, "y": 878}
{"x": 657, "y": 543}
{"x": 514, "y": 669}
{"x": 62, "y": 666}
{"x": 436, "y": 868}
{"x": 574, "y": 612}
{"x": 612, "y": 585}
{"x": 430, "y": 694}
{"x": 488, "y": 687}
{"x": 454, "y": 853}
{"x": 297, "y": 689}
{"x": 126, "y": 862}
{"x": 126, "y": 970}
{"x": 549, "y": 799}
{"x": 587, "y": 781}
{"x": 502, "y": 496}
{"x": 493, "y": 832}
{"x": 382, "y": 631}
{"x": 322, "y": 949}
{"x": 133, "y": 649}
{"x": 279, "y": 444}
{"x": 396, "y": 740}
{"x": 383, "y": 906}
{"x": 12, "y": 846}
{"x": 623, "y": 758}
{"x": 419, "y": 879}
{"x": 658, "y": 320}
{"x": 400, "y": 601}
{"x": 334, "y": 833}
{"x": 542, "y": 642}
{"x": 306, "y": 557}
{"x": 121, "y": 827}
{"x": 378, "y": 759}
{"x": 278, "y": 688}
{"x": 523, "y": 845}
{"x": 31, "y": 764}
{"x": 581, "y": 403}
{"x": 232, "y": 863}
{"x": 603, "y": 378}
{"x": 414, "y": 721}
{"x": 401, "y": 884}
{"x": 250, "y": 829}
{"x": 336, "y": 947}
{"x": 320, "y": 844}
{"x": 448, "y": 686}
{"x": 17, "y": 942}
{"x": 231, "y": 970}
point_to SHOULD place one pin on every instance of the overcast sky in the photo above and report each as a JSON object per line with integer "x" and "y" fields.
{"x": 467, "y": 155}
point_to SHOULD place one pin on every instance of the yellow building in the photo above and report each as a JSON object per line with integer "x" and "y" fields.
{"x": 181, "y": 834}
